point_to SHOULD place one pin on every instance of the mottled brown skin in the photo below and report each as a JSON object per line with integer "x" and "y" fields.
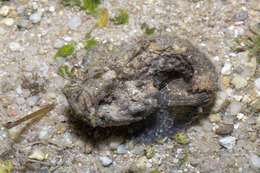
{"x": 141, "y": 79}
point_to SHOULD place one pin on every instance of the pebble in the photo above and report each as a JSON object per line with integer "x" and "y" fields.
{"x": 139, "y": 149}
{"x": 239, "y": 70}
{"x": 74, "y": 22}
{"x": 60, "y": 60}
{"x": 220, "y": 101}
{"x": 67, "y": 38}
{"x": 52, "y": 9}
{"x": 8, "y": 21}
{"x": 142, "y": 162}
{"x": 253, "y": 138}
{"x": 235, "y": 108}
{"x": 228, "y": 119}
{"x": 240, "y": 116}
{"x": 58, "y": 43}
{"x": 228, "y": 142}
{"x": 237, "y": 97}
{"x": 44, "y": 132}
{"x": 12, "y": 113}
{"x": 2, "y": 31}
{"x": 37, "y": 155}
{"x": 258, "y": 121}
{"x": 20, "y": 100}
{"x": 149, "y": 152}
{"x": 14, "y": 46}
{"x": 4, "y": 140}
{"x": 238, "y": 81}
{"x": 225, "y": 129}
{"x": 121, "y": 149}
{"x": 88, "y": 147}
{"x": 257, "y": 84}
{"x": 32, "y": 100}
{"x": 115, "y": 141}
{"x": 35, "y": 18}
{"x": 4, "y": 10}
{"x": 241, "y": 16}
{"x": 23, "y": 23}
{"x": 225, "y": 81}
{"x": 106, "y": 161}
{"x": 255, "y": 161}
{"x": 15, "y": 132}
{"x": 213, "y": 118}
{"x": 256, "y": 104}
{"x": 227, "y": 68}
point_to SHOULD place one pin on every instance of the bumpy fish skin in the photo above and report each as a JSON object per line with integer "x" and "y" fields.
{"x": 160, "y": 73}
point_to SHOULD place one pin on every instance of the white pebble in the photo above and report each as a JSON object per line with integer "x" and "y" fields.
{"x": 37, "y": 155}
{"x": 14, "y": 46}
{"x": 236, "y": 126}
{"x": 2, "y": 31}
{"x": 19, "y": 89}
{"x": 35, "y": 18}
{"x": 229, "y": 92}
{"x": 106, "y": 161}
{"x": 121, "y": 149}
{"x": 4, "y": 10}
{"x": 240, "y": 116}
{"x": 238, "y": 81}
{"x": 67, "y": 38}
{"x": 44, "y": 132}
{"x": 235, "y": 108}
{"x": 227, "y": 68}
{"x": 58, "y": 43}
{"x": 8, "y": 21}
{"x": 60, "y": 60}
{"x": 20, "y": 100}
{"x": 221, "y": 99}
{"x": 257, "y": 84}
{"x": 237, "y": 97}
{"x": 52, "y": 9}
{"x": 32, "y": 100}
{"x": 228, "y": 142}
{"x": 255, "y": 161}
{"x": 74, "y": 22}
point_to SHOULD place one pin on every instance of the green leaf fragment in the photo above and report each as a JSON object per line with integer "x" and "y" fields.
{"x": 91, "y": 43}
{"x": 91, "y": 5}
{"x": 251, "y": 42}
{"x": 65, "y": 50}
{"x": 6, "y": 166}
{"x": 122, "y": 18}
{"x": 183, "y": 159}
{"x": 88, "y": 35}
{"x": 102, "y": 16}
{"x": 148, "y": 30}
{"x": 64, "y": 71}
{"x": 154, "y": 171}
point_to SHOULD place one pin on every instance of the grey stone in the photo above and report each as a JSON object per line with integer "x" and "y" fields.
{"x": 228, "y": 142}
{"x": 225, "y": 129}
{"x": 74, "y": 22}
{"x": 241, "y": 16}
{"x": 255, "y": 161}
{"x": 106, "y": 161}
{"x": 121, "y": 149}
{"x": 35, "y": 18}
